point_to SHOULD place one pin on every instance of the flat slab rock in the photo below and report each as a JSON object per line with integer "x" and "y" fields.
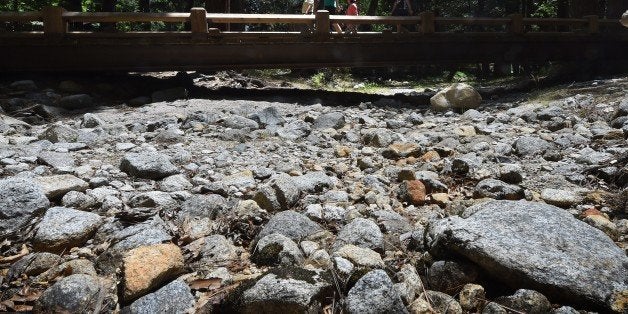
{"x": 538, "y": 246}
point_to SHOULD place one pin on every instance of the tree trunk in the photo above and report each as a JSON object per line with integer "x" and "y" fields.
{"x": 16, "y": 5}
{"x": 109, "y": 6}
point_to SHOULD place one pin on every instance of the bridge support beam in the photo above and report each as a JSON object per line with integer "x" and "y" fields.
{"x": 198, "y": 21}
{"x": 54, "y": 26}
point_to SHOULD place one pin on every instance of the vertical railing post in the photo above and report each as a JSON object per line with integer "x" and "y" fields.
{"x": 54, "y": 26}
{"x": 322, "y": 23}
{"x": 593, "y": 23}
{"x": 198, "y": 21}
{"x": 516, "y": 23}
{"x": 427, "y": 22}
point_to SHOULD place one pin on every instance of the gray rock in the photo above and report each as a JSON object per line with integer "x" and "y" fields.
{"x": 276, "y": 248}
{"x": 451, "y": 276}
{"x": 561, "y": 198}
{"x": 158, "y": 199}
{"x": 282, "y": 290}
{"x": 73, "y": 294}
{"x": 549, "y": 113}
{"x": 239, "y": 122}
{"x": 566, "y": 310}
{"x": 171, "y": 94}
{"x": 291, "y": 224}
{"x": 591, "y": 157}
{"x": 392, "y": 222}
{"x": 441, "y": 302}
{"x": 531, "y": 244}
{"x": 59, "y": 133}
{"x": 498, "y": 190}
{"x": 294, "y": 130}
{"x": 177, "y": 182}
{"x": 153, "y": 231}
{"x": 61, "y": 162}
{"x": 269, "y": 116}
{"x": 175, "y": 298}
{"x": 456, "y": 96}
{"x": 203, "y": 205}
{"x": 33, "y": 264}
{"x": 71, "y": 87}
{"x": 91, "y": 120}
{"x": 25, "y": 85}
{"x": 148, "y": 165}
{"x": 378, "y": 138}
{"x": 170, "y": 135}
{"x": 361, "y": 232}
{"x": 374, "y": 293}
{"x": 139, "y": 101}
{"x": 280, "y": 193}
{"x": 78, "y": 200}
{"x": 510, "y": 173}
{"x": 314, "y": 182}
{"x": 332, "y": 120}
{"x": 79, "y": 101}
{"x": 527, "y": 146}
{"x": 471, "y": 297}
{"x": 527, "y": 301}
{"x": 21, "y": 200}
{"x": 360, "y": 256}
{"x": 63, "y": 228}
{"x": 57, "y": 186}
{"x": 216, "y": 250}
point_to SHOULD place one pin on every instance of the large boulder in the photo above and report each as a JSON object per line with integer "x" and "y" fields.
{"x": 148, "y": 165}
{"x": 21, "y": 200}
{"x": 73, "y": 294}
{"x": 62, "y": 228}
{"x": 541, "y": 247}
{"x": 282, "y": 290}
{"x": 456, "y": 96}
{"x": 374, "y": 293}
{"x": 175, "y": 297}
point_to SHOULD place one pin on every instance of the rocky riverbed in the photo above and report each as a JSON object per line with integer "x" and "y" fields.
{"x": 164, "y": 204}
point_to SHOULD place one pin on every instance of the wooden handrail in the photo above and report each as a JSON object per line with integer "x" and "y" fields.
{"x": 471, "y": 21}
{"x": 515, "y": 23}
{"x": 20, "y": 16}
{"x": 113, "y": 17}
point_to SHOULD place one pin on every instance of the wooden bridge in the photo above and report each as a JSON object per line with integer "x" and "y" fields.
{"x": 513, "y": 39}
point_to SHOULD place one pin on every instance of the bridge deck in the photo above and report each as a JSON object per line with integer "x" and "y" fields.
{"x": 57, "y": 48}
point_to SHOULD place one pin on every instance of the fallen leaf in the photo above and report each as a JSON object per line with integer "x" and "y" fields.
{"x": 206, "y": 284}
{"x": 23, "y": 308}
{"x": 13, "y": 258}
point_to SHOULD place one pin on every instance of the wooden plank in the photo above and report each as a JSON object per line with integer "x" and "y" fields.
{"x": 471, "y": 21}
{"x": 113, "y": 17}
{"x": 236, "y": 18}
{"x": 20, "y": 16}
{"x": 375, "y": 19}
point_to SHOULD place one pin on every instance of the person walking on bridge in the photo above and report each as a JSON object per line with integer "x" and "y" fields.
{"x": 352, "y": 10}
{"x": 402, "y": 8}
{"x": 332, "y": 7}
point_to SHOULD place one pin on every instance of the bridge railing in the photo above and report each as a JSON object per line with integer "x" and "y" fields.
{"x": 56, "y": 20}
